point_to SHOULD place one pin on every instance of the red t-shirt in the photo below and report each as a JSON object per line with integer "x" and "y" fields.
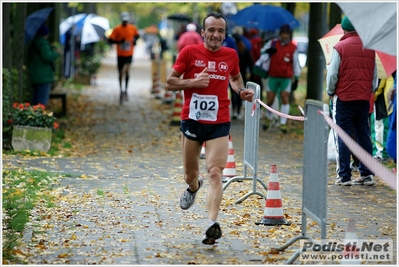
{"x": 126, "y": 33}
{"x": 208, "y": 105}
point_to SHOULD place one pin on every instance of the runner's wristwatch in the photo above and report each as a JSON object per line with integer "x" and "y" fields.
{"x": 242, "y": 89}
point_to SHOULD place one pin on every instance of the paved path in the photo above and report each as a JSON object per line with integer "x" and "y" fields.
{"x": 119, "y": 203}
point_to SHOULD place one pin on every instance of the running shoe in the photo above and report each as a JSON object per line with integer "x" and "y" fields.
{"x": 187, "y": 199}
{"x": 212, "y": 233}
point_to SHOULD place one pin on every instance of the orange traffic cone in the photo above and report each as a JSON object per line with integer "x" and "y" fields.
{"x": 168, "y": 98}
{"x": 177, "y": 110}
{"x": 202, "y": 155}
{"x": 350, "y": 255}
{"x": 230, "y": 170}
{"x": 273, "y": 214}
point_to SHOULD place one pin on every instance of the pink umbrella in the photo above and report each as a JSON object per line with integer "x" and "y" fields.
{"x": 386, "y": 64}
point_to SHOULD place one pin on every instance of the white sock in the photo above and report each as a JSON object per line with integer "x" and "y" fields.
{"x": 285, "y": 109}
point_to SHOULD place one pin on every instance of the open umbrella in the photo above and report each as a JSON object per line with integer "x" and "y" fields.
{"x": 264, "y": 17}
{"x": 72, "y": 21}
{"x": 375, "y": 23}
{"x": 89, "y": 27}
{"x": 386, "y": 64}
{"x": 93, "y": 29}
{"x": 34, "y": 21}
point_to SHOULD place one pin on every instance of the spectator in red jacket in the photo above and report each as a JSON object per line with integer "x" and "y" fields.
{"x": 351, "y": 80}
{"x": 191, "y": 36}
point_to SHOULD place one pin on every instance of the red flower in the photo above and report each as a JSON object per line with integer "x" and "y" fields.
{"x": 55, "y": 125}
{"x": 9, "y": 121}
{"x": 15, "y": 105}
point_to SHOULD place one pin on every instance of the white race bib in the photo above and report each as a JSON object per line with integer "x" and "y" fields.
{"x": 204, "y": 107}
{"x": 125, "y": 46}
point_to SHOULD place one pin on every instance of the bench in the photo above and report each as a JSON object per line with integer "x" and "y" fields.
{"x": 62, "y": 96}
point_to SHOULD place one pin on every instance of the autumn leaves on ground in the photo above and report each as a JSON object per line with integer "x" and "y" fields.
{"x": 112, "y": 188}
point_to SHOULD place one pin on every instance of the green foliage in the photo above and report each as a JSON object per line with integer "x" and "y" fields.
{"x": 35, "y": 116}
{"x": 87, "y": 64}
{"x": 7, "y": 93}
{"x": 22, "y": 190}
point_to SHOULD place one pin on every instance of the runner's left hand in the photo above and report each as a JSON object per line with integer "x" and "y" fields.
{"x": 247, "y": 94}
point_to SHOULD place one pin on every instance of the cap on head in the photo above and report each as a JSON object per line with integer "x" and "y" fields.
{"x": 285, "y": 28}
{"x": 43, "y": 30}
{"x": 346, "y": 24}
{"x": 125, "y": 16}
{"x": 191, "y": 27}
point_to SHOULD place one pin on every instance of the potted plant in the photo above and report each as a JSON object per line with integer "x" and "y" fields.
{"x": 32, "y": 127}
{"x": 87, "y": 66}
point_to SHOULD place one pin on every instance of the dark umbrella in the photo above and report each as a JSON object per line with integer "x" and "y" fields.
{"x": 34, "y": 21}
{"x": 179, "y": 17}
{"x": 264, "y": 17}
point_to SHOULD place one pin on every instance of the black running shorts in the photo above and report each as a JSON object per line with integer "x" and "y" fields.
{"x": 124, "y": 60}
{"x": 200, "y": 132}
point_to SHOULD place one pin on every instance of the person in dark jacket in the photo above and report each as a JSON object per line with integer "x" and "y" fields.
{"x": 351, "y": 80}
{"x": 41, "y": 59}
{"x": 246, "y": 64}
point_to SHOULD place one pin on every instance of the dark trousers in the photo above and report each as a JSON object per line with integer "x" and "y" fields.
{"x": 41, "y": 93}
{"x": 353, "y": 116}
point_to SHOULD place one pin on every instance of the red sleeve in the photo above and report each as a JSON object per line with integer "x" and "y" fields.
{"x": 180, "y": 64}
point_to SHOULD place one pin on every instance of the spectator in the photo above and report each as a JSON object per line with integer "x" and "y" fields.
{"x": 41, "y": 58}
{"x": 379, "y": 122}
{"x": 284, "y": 65}
{"x": 392, "y": 132}
{"x": 191, "y": 36}
{"x": 257, "y": 43}
{"x": 124, "y": 36}
{"x": 351, "y": 80}
{"x": 204, "y": 71}
{"x": 246, "y": 64}
{"x": 230, "y": 42}
{"x": 240, "y": 32}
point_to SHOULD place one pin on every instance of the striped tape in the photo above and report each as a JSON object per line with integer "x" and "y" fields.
{"x": 297, "y": 118}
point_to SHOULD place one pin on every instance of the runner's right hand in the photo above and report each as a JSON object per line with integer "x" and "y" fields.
{"x": 202, "y": 79}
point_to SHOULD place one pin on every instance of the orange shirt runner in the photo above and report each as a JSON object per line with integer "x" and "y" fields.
{"x": 127, "y": 33}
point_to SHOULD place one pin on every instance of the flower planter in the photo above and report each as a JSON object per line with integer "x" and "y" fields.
{"x": 31, "y": 138}
{"x": 82, "y": 78}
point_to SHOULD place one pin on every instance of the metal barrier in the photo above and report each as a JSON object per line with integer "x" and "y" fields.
{"x": 251, "y": 141}
{"x": 314, "y": 187}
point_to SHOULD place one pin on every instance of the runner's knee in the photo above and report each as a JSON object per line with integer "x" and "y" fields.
{"x": 215, "y": 172}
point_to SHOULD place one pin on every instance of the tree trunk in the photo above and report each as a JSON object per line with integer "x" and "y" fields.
{"x": 316, "y": 61}
{"x": 335, "y": 15}
{"x": 18, "y": 45}
{"x": 7, "y": 59}
{"x": 89, "y": 8}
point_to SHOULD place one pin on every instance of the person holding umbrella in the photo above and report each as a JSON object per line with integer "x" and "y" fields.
{"x": 124, "y": 36}
{"x": 41, "y": 57}
{"x": 351, "y": 80}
